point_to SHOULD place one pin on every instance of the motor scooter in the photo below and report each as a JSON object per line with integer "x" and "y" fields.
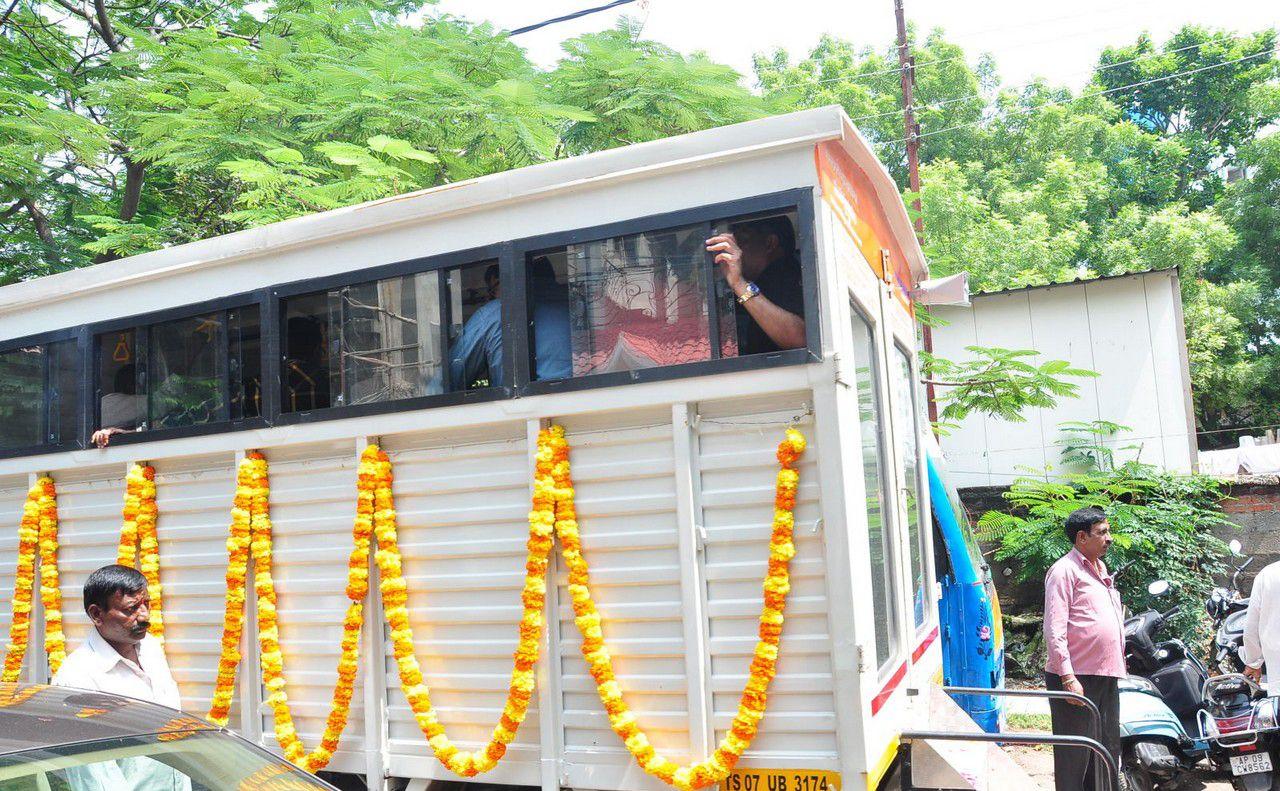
{"x": 1226, "y": 607}
{"x": 1160, "y": 703}
{"x": 1240, "y": 724}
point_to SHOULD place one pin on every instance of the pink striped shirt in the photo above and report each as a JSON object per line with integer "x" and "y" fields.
{"x": 1083, "y": 619}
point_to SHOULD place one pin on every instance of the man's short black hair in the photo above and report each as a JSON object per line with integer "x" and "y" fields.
{"x": 110, "y": 580}
{"x": 1083, "y": 520}
{"x": 778, "y": 225}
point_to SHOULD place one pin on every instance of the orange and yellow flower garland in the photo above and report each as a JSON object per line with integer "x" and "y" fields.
{"x": 395, "y": 601}
{"x": 250, "y": 535}
{"x": 139, "y": 539}
{"x": 751, "y": 706}
{"x": 37, "y": 534}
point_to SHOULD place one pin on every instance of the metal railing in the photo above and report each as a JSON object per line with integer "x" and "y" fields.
{"x": 907, "y": 738}
{"x": 1047, "y": 694}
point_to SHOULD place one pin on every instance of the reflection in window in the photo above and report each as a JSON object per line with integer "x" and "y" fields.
{"x": 629, "y": 303}
{"x": 64, "y": 392}
{"x": 884, "y": 580}
{"x": 908, "y": 430}
{"x": 185, "y": 386}
{"x": 638, "y": 301}
{"x": 382, "y": 340}
{"x": 244, "y": 361}
{"x": 21, "y": 397}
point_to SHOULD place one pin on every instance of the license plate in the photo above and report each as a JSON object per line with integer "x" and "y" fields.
{"x": 1250, "y": 763}
{"x": 781, "y": 780}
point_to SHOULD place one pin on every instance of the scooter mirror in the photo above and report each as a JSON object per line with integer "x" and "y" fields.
{"x": 1234, "y": 545}
{"x": 1158, "y": 588}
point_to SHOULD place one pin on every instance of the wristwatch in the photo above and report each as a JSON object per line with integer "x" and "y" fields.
{"x": 752, "y": 290}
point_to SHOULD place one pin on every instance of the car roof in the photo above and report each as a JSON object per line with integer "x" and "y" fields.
{"x": 39, "y": 715}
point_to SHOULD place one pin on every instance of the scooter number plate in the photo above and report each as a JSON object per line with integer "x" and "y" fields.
{"x": 1248, "y": 764}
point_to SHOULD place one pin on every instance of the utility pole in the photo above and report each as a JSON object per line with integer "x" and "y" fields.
{"x": 907, "y": 70}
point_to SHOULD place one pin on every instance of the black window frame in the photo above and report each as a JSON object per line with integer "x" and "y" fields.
{"x": 495, "y": 253}
{"x": 43, "y": 339}
{"x": 799, "y": 200}
{"x": 142, "y": 323}
{"x": 511, "y": 257}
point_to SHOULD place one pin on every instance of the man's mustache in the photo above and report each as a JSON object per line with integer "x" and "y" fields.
{"x": 141, "y": 626}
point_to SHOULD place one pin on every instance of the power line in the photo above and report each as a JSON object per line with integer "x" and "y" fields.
{"x": 1095, "y": 70}
{"x": 568, "y": 17}
{"x": 1094, "y": 94}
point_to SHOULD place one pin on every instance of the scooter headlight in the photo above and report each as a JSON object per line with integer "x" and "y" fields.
{"x": 1265, "y": 713}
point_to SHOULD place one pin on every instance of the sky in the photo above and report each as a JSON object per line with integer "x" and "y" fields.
{"x": 1058, "y": 41}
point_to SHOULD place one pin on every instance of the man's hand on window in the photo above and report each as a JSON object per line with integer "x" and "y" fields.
{"x": 729, "y": 256}
{"x": 102, "y": 437}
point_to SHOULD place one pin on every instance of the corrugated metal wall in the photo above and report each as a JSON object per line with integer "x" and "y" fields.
{"x": 675, "y": 510}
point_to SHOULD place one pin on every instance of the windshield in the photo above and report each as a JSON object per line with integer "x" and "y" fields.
{"x": 196, "y": 760}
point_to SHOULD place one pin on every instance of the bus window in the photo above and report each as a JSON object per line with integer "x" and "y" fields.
{"x": 184, "y": 386}
{"x": 123, "y": 402}
{"x": 770, "y": 262}
{"x": 63, "y": 359}
{"x": 884, "y": 565}
{"x": 904, "y": 393}
{"x": 244, "y": 359}
{"x": 304, "y": 372}
{"x": 659, "y": 298}
{"x": 21, "y": 397}
{"x": 474, "y": 308}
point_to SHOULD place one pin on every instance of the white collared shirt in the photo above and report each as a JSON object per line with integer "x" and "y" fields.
{"x": 99, "y": 667}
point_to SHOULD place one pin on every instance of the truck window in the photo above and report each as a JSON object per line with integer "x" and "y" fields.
{"x": 658, "y": 298}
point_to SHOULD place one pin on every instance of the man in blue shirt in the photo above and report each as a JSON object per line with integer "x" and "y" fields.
{"x": 480, "y": 344}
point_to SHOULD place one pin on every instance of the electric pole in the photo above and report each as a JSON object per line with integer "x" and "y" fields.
{"x": 907, "y": 70}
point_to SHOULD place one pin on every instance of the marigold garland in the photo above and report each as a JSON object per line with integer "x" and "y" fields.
{"x": 139, "y": 539}
{"x": 37, "y": 535}
{"x": 751, "y": 706}
{"x": 395, "y": 602}
{"x": 250, "y": 535}
{"x": 13, "y": 694}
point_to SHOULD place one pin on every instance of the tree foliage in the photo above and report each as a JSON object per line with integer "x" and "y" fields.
{"x": 1035, "y": 184}
{"x": 126, "y": 127}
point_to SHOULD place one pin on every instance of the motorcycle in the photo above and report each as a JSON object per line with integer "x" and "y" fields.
{"x": 1160, "y": 703}
{"x": 1240, "y": 724}
{"x": 1226, "y": 608}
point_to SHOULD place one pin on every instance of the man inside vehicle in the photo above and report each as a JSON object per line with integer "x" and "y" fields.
{"x": 758, "y": 262}
{"x": 479, "y": 348}
{"x": 121, "y": 658}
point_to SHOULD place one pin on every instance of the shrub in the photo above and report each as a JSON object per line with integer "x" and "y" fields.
{"x": 1161, "y": 522}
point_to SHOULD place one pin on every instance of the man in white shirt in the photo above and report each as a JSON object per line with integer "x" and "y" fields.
{"x": 1262, "y": 629}
{"x": 119, "y": 657}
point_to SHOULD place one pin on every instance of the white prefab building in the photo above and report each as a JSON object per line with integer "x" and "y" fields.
{"x": 1127, "y": 328}
{"x": 309, "y": 338}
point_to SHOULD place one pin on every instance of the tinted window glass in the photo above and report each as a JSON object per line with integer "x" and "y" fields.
{"x": 907, "y": 429}
{"x": 21, "y": 397}
{"x": 184, "y": 382}
{"x": 244, "y": 360}
{"x": 661, "y": 298}
{"x": 884, "y": 579}
{"x": 305, "y": 374}
{"x": 363, "y": 344}
{"x": 64, "y": 391}
{"x": 122, "y": 402}
{"x": 473, "y": 302}
{"x": 771, "y": 260}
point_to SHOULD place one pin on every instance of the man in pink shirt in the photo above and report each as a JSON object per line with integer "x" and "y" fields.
{"x": 1084, "y": 638}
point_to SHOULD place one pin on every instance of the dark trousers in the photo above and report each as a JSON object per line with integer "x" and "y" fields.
{"x": 1074, "y": 767}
